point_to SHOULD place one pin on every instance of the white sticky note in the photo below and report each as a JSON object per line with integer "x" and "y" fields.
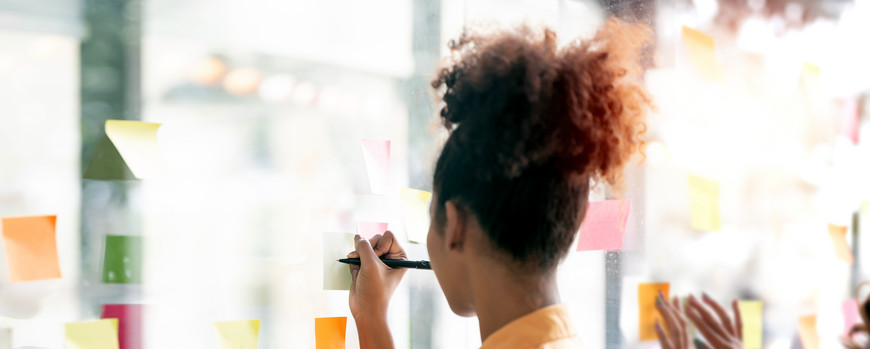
{"x": 336, "y": 276}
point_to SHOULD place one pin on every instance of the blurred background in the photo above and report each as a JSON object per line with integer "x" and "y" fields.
{"x": 264, "y": 103}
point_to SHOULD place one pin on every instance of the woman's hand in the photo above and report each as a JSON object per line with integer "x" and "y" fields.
{"x": 716, "y": 326}
{"x": 373, "y": 286}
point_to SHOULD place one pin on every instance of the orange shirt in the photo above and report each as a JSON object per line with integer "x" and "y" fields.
{"x": 545, "y": 328}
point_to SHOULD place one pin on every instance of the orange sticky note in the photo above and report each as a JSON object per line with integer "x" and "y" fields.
{"x": 646, "y": 303}
{"x": 808, "y": 332}
{"x": 701, "y": 49}
{"x": 31, "y": 248}
{"x": 604, "y": 225}
{"x": 704, "y": 201}
{"x": 329, "y": 332}
{"x": 838, "y": 239}
{"x": 376, "y": 155}
{"x": 369, "y": 229}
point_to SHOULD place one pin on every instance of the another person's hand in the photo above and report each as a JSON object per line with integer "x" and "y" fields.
{"x": 373, "y": 282}
{"x": 719, "y": 330}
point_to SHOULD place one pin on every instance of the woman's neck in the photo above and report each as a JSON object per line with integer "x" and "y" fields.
{"x": 500, "y": 295}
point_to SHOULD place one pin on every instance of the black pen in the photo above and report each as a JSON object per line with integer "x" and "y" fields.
{"x": 393, "y": 263}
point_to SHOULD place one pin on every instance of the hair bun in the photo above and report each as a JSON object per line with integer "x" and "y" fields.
{"x": 515, "y": 100}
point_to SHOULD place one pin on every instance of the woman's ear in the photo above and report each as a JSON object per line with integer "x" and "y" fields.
{"x": 456, "y": 227}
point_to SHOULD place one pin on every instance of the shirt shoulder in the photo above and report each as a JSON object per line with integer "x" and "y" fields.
{"x": 545, "y": 328}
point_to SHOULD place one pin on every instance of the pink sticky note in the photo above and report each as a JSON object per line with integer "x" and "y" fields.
{"x": 129, "y": 323}
{"x": 851, "y": 123}
{"x": 369, "y": 229}
{"x": 604, "y": 225}
{"x": 851, "y": 316}
{"x": 377, "y": 159}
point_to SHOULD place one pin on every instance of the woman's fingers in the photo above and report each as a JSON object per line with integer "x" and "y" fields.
{"x": 707, "y": 317}
{"x": 354, "y": 271}
{"x": 738, "y": 319}
{"x": 388, "y": 246}
{"x": 663, "y": 338}
{"x": 703, "y": 326}
{"x": 724, "y": 319}
{"x": 676, "y": 325}
{"x": 367, "y": 255}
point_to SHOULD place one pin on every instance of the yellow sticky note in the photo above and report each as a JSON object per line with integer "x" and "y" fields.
{"x": 31, "y": 248}
{"x": 704, "y": 200}
{"x": 99, "y": 334}
{"x": 336, "y": 276}
{"x": 329, "y": 332}
{"x": 701, "y": 49}
{"x": 808, "y": 332}
{"x": 646, "y": 303}
{"x": 841, "y": 246}
{"x": 136, "y": 141}
{"x": 415, "y": 211}
{"x": 237, "y": 334}
{"x": 751, "y": 316}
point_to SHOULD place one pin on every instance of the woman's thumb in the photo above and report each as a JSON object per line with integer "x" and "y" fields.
{"x": 367, "y": 255}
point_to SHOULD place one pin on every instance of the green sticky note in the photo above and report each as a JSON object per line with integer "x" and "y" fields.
{"x": 238, "y": 334}
{"x": 107, "y": 164}
{"x": 122, "y": 263}
{"x": 100, "y": 334}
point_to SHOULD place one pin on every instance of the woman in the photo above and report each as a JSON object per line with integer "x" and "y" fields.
{"x": 531, "y": 125}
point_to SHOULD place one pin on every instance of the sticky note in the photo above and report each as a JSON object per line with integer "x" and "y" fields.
{"x": 604, "y": 225}
{"x": 122, "y": 261}
{"x": 751, "y": 316}
{"x": 330, "y": 332}
{"x": 376, "y": 155}
{"x": 808, "y": 332}
{"x": 701, "y": 49}
{"x": 369, "y": 229}
{"x": 704, "y": 201}
{"x": 129, "y": 323}
{"x": 107, "y": 164}
{"x": 841, "y": 246}
{"x": 136, "y": 141}
{"x": 237, "y": 334}
{"x": 336, "y": 276}
{"x": 99, "y": 334}
{"x": 649, "y": 314}
{"x": 851, "y": 315}
{"x": 415, "y": 212}
{"x": 5, "y": 338}
{"x": 31, "y": 248}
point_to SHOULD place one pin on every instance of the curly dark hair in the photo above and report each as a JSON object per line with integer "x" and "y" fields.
{"x": 532, "y": 124}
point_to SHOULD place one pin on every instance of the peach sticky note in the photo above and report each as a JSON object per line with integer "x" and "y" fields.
{"x": 136, "y": 141}
{"x": 376, "y": 155}
{"x": 336, "y": 276}
{"x": 851, "y": 316}
{"x": 31, "y": 248}
{"x": 646, "y": 302}
{"x": 329, "y": 332}
{"x": 100, "y": 334}
{"x": 129, "y": 323}
{"x": 838, "y": 239}
{"x": 604, "y": 225}
{"x": 704, "y": 201}
{"x": 369, "y": 229}
{"x": 702, "y": 53}
{"x": 415, "y": 212}
{"x": 237, "y": 334}
{"x": 808, "y": 332}
{"x": 751, "y": 316}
